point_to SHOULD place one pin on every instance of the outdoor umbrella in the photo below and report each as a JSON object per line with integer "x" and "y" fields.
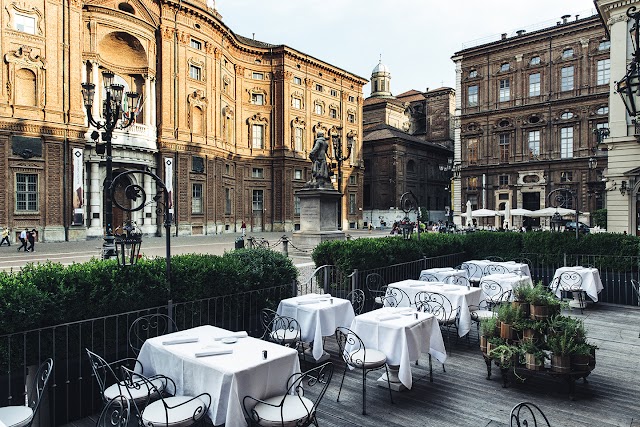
{"x": 507, "y": 214}
{"x": 483, "y": 213}
{"x": 468, "y": 213}
{"x": 550, "y": 211}
{"x": 520, "y": 212}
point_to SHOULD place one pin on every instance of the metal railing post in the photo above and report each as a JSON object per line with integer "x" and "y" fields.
{"x": 565, "y": 259}
{"x": 354, "y": 280}
{"x": 170, "y": 314}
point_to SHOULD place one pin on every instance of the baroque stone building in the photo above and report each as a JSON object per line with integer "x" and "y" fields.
{"x": 527, "y": 109}
{"x": 226, "y": 121}
{"x": 406, "y": 139}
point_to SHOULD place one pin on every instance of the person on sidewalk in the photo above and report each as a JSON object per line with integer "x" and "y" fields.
{"x": 31, "y": 236}
{"x": 243, "y": 227}
{"x": 5, "y": 236}
{"x": 23, "y": 240}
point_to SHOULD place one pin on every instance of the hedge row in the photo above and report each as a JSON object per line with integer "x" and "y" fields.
{"x": 50, "y": 294}
{"x": 365, "y": 254}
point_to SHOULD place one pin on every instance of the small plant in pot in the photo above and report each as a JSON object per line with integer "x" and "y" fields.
{"x": 581, "y": 356}
{"x": 539, "y": 302}
{"x": 562, "y": 346}
{"x": 531, "y": 330}
{"x": 505, "y": 355}
{"x": 488, "y": 329}
{"x": 574, "y": 327}
{"x": 508, "y": 315}
{"x": 494, "y": 342}
{"x": 521, "y": 294}
{"x": 533, "y": 356}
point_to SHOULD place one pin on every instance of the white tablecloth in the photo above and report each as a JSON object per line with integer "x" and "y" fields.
{"x": 401, "y": 339}
{"x": 506, "y": 282}
{"x": 319, "y": 319}
{"x": 591, "y": 282}
{"x": 460, "y": 296}
{"x": 511, "y": 266}
{"x": 443, "y": 273}
{"x": 227, "y": 378}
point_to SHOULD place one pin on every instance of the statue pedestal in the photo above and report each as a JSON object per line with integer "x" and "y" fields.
{"x": 318, "y": 217}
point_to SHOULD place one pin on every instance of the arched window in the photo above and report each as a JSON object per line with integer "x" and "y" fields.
{"x": 197, "y": 121}
{"x": 411, "y": 166}
{"x": 25, "y": 87}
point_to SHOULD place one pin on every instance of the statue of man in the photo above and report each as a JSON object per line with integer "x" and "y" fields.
{"x": 319, "y": 169}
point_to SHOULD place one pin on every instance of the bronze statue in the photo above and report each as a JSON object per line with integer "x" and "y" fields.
{"x": 320, "y": 169}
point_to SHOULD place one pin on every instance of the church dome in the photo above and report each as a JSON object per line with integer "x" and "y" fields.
{"x": 380, "y": 68}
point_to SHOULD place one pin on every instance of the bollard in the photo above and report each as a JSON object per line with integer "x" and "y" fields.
{"x": 285, "y": 246}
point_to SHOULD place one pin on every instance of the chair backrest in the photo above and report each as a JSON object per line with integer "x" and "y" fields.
{"x": 115, "y": 413}
{"x": 426, "y": 277}
{"x": 527, "y": 414}
{"x": 351, "y": 347}
{"x": 266, "y": 317}
{"x": 283, "y": 330}
{"x": 494, "y": 269}
{"x": 457, "y": 280}
{"x": 40, "y": 381}
{"x": 435, "y": 303}
{"x": 104, "y": 374}
{"x": 493, "y": 293}
{"x": 356, "y": 297}
{"x": 473, "y": 270}
{"x": 636, "y": 288}
{"x": 149, "y": 326}
{"x": 394, "y": 297}
{"x": 568, "y": 281}
{"x": 375, "y": 284}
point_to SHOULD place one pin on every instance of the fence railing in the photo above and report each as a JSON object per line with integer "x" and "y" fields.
{"x": 72, "y": 390}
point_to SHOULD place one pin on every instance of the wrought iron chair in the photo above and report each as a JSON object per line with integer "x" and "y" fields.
{"x": 492, "y": 296}
{"x": 283, "y": 330}
{"x": 570, "y": 281}
{"x": 396, "y": 297}
{"x": 527, "y": 414}
{"x": 23, "y": 415}
{"x": 112, "y": 383}
{"x": 356, "y": 297}
{"x": 292, "y": 408}
{"x": 474, "y": 272}
{"x": 149, "y": 326}
{"x": 636, "y": 289}
{"x": 495, "y": 269}
{"x": 426, "y": 277}
{"x": 355, "y": 354}
{"x": 115, "y": 413}
{"x": 168, "y": 410}
{"x": 457, "y": 280}
{"x": 440, "y": 306}
{"x": 377, "y": 288}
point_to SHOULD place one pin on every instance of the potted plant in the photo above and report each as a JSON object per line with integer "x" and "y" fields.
{"x": 539, "y": 303}
{"x": 488, "y": 329}
{"x": 494, "y": 342}
{"x": 531, "y": 330}
{"x": 507, "y": 315}
{"x": 505, "y": 355}
{"x": 581, "y": 356}
{"x": 561, "y": 345}
{"x": 521, "y": 293}
{"x": 533, "y": 356}
{"x": 574, "y": 327}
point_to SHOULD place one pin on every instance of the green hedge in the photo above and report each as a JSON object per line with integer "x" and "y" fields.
{"x": 365, "y": 254}
{"x": 49, "y": 294}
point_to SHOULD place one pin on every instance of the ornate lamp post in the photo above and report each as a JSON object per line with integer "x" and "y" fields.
{"x": 450, "y": 169}
{"x": 409, "y": 203}
{"x": 116, "y": 115}
{"x": 339, "y": 157}
{"x": 629, "y": 86}
{"x": 560, "y": 198}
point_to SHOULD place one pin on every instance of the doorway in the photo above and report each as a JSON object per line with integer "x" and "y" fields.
{"x": 257, "y": 210}
{"x": 531, "y": 201}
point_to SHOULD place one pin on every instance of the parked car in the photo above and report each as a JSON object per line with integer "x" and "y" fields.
{"x": 571, "y": 226}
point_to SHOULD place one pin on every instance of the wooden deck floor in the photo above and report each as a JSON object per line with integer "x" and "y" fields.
{"x": 462, "y": 396}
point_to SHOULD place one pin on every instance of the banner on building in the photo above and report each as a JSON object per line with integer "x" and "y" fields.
{"x": 168, "y": 182}
{"x": 78, "y": 193}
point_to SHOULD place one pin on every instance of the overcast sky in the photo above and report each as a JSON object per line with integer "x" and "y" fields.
{"x": 416, "y": 38}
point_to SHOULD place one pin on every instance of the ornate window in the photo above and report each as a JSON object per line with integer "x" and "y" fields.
{"x": 296, "y": 205}
{"x": 566, "y": 143}
{"x": 196, "y": 198}
{"x": 472, "y": 150}
{"x": 604, "y": 45}
{"x": 257, "y": 173}
{"x": 257, "y": 96}
{"x": 534, "y": 144}
{"x": 504, "y": 141}
{"x": 534, "y": 84}
{"x": 257, "y": 202}
{"x": 257, "y": 132}
{"x": 505, "y": 67}
{"x": 257, "y": 76}
{"x": 296, "y": 103}
{"x": 297, "y": 134}
{"x": 472, "y": 183}
{"x": 297, "y": 174}
{"x": 566, "y": 78}
{"x": 567, "y": 53}
{"x": 318, "y": 107}
{"x": 505, "y": 92}
{"x": 26, "y": 192}
{"x": 473, "y": 74}
{"x": 334, "y": 92}
{"x": 196, "y": 112}
{"x": 566, "y": 115}
{"x": 26, "y": 77}
{"x": 352, "y": 204}
{"x": 534, "y": 60}
{"x": 297, "y": 80}
{"x": 602, "y": 110}
{"x": 604, "y": 71}
{"x": 196, "y": 44}
{"x": 227, "y": 201}
{"x": 472, "y": 96}
{"x": 195, "y": 72}
{"x": 352, "y": 98}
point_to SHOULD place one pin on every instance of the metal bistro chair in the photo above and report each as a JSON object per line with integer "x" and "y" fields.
{"x": 23, "y": 415}
{"x": 355, "y": 354}
{"x": 472, "y": 270}
{"x": 495, "y": 269}
{"x": 396, "y": 297}
{"x": 427, "y": 277}
{"x": 356, "y": 297}
{"x": 169, "y": 410}
{"x": 493, "y": 295}
{"x": 283, "y": 330}
{"x": 570, "y": 281}
{"x": 149, "y": 326}
{"x": 636, "y": 289}
{"x": 116, "y": 413}
{"x": 527, "y": 414}
{"x": 440, "y": 306}
{"x": 377, "y": 288}
{"x": 292, "y": 408}
{"x": 457, "y": 280}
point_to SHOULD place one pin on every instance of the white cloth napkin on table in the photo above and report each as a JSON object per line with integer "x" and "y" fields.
{"x": 180, "y": 340}
{"x": 388, "y": 317}
{"x": 310, "y": 301}
{"x": 417, "y": 285}
{"x": 239, "y": 334}
{"x": 215, "y": 352}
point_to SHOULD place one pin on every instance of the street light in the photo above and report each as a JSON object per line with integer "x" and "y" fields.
{"x": 336, "y": 140}
{"x": 560, "y": 198}
{"x": 629, "y": 86}
{"x": 116, "y": 115}
{"x": 451, "y": 171}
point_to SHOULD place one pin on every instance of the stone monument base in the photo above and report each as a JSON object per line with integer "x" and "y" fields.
{"x": 308, "y": 240}
{"x": 318, "y": 218}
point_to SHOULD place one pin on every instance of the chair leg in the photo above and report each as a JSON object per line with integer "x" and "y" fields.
{"x": 364, "y": 391}
{"x": 341, "y": 382}
{"x": 431, "y": 370}
{"x": 581, "y": 300}
{"x": 386, "y": 368}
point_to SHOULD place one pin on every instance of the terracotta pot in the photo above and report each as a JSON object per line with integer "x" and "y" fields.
{"x": 523, "y": 306}
{"x": 532, "y": 363}
{"x": 506, "y": 331}
{"x": 580, "y": 362}
{"x": 561, "y": 364}
{"x": 538, "y": 312}
{"x": 483, "y": 344}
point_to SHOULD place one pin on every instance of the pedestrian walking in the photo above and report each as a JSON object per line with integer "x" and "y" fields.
{"x": 23, "y": 240}
{"x": 243, "y": 227}
{"x": 31, "y": 236}
{"x": 5, "y": 236}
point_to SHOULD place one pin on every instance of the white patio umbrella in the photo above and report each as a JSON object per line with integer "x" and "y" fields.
{"x": 468, "y": 213}
{"x": 520, "y": 212}
{"x": 483, "y": 213}
{"x": 507, "y": 214}
{"x": 550, "y": 211}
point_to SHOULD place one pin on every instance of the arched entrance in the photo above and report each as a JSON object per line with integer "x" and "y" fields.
{"x": 119, "y": 216}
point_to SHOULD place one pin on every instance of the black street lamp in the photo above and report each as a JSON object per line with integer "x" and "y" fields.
{"x": 629, "y": 86}
{"x": 450, "y": 169}
{"x": 116, "y": 115}
{"x": 561, "y": 198}
{"x": 338, "y": 157}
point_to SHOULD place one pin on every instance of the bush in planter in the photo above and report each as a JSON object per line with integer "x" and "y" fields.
{"x": 508, "y": 315}
{"x": 542, "y": 303}
{"x": 531, "y": 330}
{"x": 488, "y": 329}
{"x": 561, "y": 345}
{"x": 582, "y": 355}
{"x": 521, "y": 295}
{"x": 573, "y": 327}
{"x": 534, "y": 356}
{"x": 494, "y": 342}
{"x": 505, "y": 355}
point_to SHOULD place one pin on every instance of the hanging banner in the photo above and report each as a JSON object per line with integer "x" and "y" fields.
{"x": 168, "y": 182}
{"x": 78, "y": 192}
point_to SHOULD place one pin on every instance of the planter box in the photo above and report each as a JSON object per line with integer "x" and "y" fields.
{"x": 483, "y": 344}
{"x": 539, "y": 312}
{"x": 525, "y": 307}
{"x": 560, "y": 364}
{"x": 533, "y": 364}
{"x": 580, "y": 362}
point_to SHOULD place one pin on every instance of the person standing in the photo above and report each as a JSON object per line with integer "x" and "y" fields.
{"x": 31, "y": 236}
{"x": 5, "y": 236}
{"x": 243, "y": 227}
{"x": 23, "y": 240}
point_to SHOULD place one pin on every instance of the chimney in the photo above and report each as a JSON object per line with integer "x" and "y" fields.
{"x": 503, "y": 36}
{"x": 520, "y": 32}
{"x": 577, "y": 16}
{"x": 564, "y": 18}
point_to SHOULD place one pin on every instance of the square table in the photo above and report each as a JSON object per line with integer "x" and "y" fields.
{"x": 506, "y": 281}
{"x": 591, "y": 283}
{"x": 477, "y": 270}
{"x": 461, "y": 297}
{"x": 401, "y": 338}
{"x": 228, "y": 378}
{"x": 443, "y": 273}
{"x": 318, "y": 316}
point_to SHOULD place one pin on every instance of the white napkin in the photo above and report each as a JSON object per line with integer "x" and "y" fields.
{"x": 206, "y": 353}
{"x": 309, "y": 301}
{"x": 388, "y": 317}
{"x": 239, "y": 334}
{"x": 404, "y": 310}
{"x": 318, "y": 295}
{"x": 416, "y": 285}
{"x": 180, "y": 340}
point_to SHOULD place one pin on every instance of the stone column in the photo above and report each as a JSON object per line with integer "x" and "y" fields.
{"x": 152, "y": 108}
{"x": 147, "y": 100}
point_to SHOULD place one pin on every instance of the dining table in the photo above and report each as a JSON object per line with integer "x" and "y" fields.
{"x": 227, "y": 365}
{"x": 318, "y": 315}
{"x": 477, "y": 268}
{"x": 443, "y": 273}
{"x": 461, "y": 297}
{"x": 402, "y": 334}
{"x": 591, "y": 283}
